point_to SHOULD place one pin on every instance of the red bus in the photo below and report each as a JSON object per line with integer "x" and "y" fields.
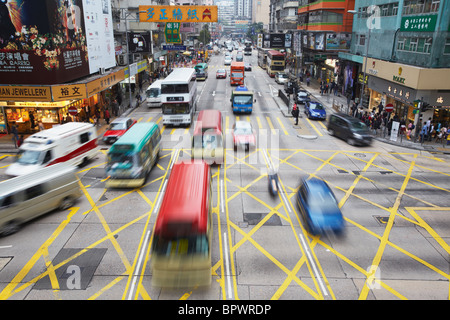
{"x": 207, "y": 140}
{"x": 181, "y": 246}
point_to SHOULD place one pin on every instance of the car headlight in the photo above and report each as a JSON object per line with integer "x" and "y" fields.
{"x": 357, "y": 136}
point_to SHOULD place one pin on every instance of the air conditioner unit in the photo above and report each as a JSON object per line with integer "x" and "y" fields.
{"x": 101, "y": 70}
{"x": 122, "y": 60}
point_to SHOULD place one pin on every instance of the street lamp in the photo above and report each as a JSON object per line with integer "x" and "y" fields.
{"x": 126, "y": 14}
{"x": 365, "y": 61}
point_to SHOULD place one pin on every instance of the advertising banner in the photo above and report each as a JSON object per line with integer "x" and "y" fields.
{"x": 178, "y": 14}
{"x": 54, "y": 41}
{"x": 139, "y": 42}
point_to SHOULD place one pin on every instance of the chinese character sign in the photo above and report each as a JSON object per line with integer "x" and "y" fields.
{"x": 178, "y": 13}
{"x": 172, "y": 32}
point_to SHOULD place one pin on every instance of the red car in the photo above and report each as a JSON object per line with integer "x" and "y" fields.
{"x": 243, "y": 135}
{"x": 221, "y": 74}
{"x": 117, "y": 128}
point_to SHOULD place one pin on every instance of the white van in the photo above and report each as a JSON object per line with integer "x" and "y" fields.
{"x": 153, "y": 94}
{"x": 29, "y": 196}
{"x": 72, "y": 142}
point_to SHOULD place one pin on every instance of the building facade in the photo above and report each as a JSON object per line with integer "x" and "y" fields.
{"x": 400, "y": 50}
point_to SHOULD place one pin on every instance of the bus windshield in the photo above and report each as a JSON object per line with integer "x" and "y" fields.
{"x": 153, "y": 93}
{"x": 242, "y": 99}
{"x": 122, "y": 159}
{"x": 237, "y": 74}
{"x": 175, "y": 108}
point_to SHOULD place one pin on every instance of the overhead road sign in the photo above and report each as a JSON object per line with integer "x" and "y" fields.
{"x": 178, "y": 13}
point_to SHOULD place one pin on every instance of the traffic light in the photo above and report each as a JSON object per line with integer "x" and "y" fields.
{"x": 424, "y": 106}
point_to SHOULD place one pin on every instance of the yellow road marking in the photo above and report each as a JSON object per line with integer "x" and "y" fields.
{"x": 271, "y": 125}
{"x": 282, "y": 126}
{"x": 314, "y": 127}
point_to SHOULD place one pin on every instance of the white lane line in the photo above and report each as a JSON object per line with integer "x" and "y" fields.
{"x": 324, "y": 290}
{"x": 227, "y": 267}
{"x": 138, "y": 267}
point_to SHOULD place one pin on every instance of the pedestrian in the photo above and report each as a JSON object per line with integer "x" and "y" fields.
{"x": 107, "y": 116}
{"x": 15, "y": 133}
{"x": 308, "y": 80}
{"x": 295, "y": 113}
{"x": 423, "y": 132}
{"x": 20, "y": 141}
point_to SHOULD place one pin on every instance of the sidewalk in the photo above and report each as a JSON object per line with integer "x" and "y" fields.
{"x": 340, "y": 102}
{"x": 7, "y": 144}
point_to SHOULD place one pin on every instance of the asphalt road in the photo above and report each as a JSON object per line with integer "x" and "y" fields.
{"x": 395, "y": 202}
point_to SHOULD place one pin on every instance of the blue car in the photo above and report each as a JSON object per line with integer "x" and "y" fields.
{"x": 315, "y": 110}
{"x": 319, "y": 207}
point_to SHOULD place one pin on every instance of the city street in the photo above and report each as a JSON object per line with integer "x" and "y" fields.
{"x": 395, "y": 203}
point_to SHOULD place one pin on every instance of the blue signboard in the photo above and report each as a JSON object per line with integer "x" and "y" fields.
{"x": 174, "y": 47}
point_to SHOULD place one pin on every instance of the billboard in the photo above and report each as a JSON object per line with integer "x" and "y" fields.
{"x": 178, "y": 13}
{"x": 54, "y": 41}
{"x": 277, "y": 40}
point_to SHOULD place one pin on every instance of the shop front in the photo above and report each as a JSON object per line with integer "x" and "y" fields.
{"x": 31, "y": 108}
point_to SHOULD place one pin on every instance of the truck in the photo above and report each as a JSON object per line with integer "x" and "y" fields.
{"x": 237, "y": 73}
{"x": 242, "y": 100}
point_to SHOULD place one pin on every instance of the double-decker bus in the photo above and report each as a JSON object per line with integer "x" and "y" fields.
{"x": 262, "y": 57}
{"x": 132, "y": 157}
{"x": 178, "y": 97}
{"x": 181, "y": 244}
{"x": 275, "y": 62}
{"x": 207, "y": 140}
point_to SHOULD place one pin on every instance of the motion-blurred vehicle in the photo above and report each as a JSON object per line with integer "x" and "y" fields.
{"x": 72, "y": 142}
{"x": 315, "y": 110}
{"x": 243, "y": 135}
{"x": 117, "y": 128}
{"x": 29, "y": 196}
{"x": 302, "y": 97}
{"x": 350, "y": 129}
{"x": 319, "y": 207}
{"x": 221, "y": 74}
{"x": 281, "y": 78}
{"x": 227, "y": 60}
{"x": 247, "y": 66}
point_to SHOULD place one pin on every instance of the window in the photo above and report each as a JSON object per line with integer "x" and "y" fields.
{"x": 47, "y": 157}
{"x": 427, "y": 47}
{"x": 84, "y": 137}
{"x": 362, "y": 40}
{"x": 413, "y": 44}
{"x": 401, "y": 44}
{"x": 447, "y": 46}
{"x": 420, "y": 6}
{"x": 34, "y": 192}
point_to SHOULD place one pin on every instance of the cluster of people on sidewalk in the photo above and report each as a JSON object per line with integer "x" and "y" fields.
{"x": 378, "y": 120}
{"x": 438, "y": 132}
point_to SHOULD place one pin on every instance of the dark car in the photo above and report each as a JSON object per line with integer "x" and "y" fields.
{"x": 302, "y": 97}
{"x": 315, "y": 110}
{"x": 248, "y": 67}
{"x": 319, "y": 207}
{"x": 289, "y": 87}
{"x": 350, "y": 129}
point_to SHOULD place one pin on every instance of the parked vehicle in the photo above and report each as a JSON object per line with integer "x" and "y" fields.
{"x": 349, "y": 129}
{"x": 315, "y": 110}
{"x": 72, "y": 142}
{"x": 281, "y": 78}
{"x": 302, "y": 97}
{"x": 29, "y": 196}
